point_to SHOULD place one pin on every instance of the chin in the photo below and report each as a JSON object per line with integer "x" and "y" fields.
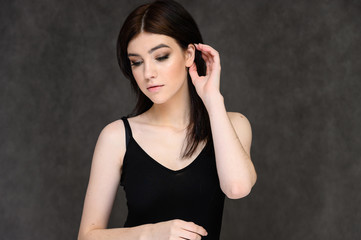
{"x": 157, "y": 99}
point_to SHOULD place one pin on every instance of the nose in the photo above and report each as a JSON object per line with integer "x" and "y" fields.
{"x": 149, "y": 70}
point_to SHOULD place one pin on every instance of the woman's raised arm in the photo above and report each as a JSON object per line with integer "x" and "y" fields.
{"x": 231, "y": 132}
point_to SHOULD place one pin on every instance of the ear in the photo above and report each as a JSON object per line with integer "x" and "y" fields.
{"x": 190, "y": 55}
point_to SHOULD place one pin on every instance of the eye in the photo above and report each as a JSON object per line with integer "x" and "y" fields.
{"x": 135, "y": 63}
{"x": 162, "y": 58}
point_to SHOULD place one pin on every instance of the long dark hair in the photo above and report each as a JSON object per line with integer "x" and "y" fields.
{"x": 171, "y": 19}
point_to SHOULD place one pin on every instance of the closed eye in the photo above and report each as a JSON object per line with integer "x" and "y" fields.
{"x": 135, "y": 63}
{"x": 162, "y": 58}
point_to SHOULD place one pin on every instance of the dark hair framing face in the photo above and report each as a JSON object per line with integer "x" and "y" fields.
{"x": 171, "y": 19}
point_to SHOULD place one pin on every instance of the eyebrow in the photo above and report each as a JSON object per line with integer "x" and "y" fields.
{"x": 151, "y": 50}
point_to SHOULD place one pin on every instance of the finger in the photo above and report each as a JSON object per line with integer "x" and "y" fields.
{"x": 206, "y": 48}
{"x": 193, "y": 71}
{"x": 206, "y": 53}
{"x": 209, "y": 50}
{"x": 192, "y": 227}
{"x": 208, "y": 59}
{"x": 211, "y": 57}
{"x": 205, "y": 57}
{"x": 207, "y": 62}
{"x": 190, "y": 235}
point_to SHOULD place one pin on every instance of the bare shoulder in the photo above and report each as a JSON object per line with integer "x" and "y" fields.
{"x": 114, "y": 129}
{"x": 112, "y": 139}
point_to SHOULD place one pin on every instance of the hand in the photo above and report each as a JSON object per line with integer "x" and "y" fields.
{"x": 177, "y": 229}
{"x": 207, "y": 86}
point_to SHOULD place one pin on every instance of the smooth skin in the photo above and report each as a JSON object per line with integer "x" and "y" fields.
{"x": 161, "y": 132}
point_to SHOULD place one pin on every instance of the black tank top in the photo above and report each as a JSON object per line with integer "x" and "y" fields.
{"x": 156, "y": 193}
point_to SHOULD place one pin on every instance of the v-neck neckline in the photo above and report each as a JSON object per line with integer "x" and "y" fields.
{"x": 167, "y": 168}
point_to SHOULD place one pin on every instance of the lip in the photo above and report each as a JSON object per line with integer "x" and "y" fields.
{"x": 154, "y": 88}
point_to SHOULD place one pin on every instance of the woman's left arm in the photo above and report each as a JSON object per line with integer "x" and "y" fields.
{"x": 231, "y": 132}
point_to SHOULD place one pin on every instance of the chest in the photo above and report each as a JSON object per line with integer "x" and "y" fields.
{"x": 165, "y": 147}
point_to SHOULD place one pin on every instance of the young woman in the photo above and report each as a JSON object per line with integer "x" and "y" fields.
{"x": 180, "y": 152}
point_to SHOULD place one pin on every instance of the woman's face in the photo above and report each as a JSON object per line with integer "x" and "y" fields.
{"x": 159, "y": 66}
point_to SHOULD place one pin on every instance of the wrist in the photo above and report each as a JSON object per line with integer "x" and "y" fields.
{"x": 146, "y": 232}
{"x": 214, "y": 102}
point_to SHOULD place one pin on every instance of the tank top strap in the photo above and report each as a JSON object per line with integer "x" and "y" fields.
{"x": 128, "y": 130}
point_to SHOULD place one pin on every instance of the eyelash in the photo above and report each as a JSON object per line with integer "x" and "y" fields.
{"x": 135, "y": 64}
{"x": 160, "y": 59}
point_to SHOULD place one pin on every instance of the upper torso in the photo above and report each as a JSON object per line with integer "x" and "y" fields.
{"x": 160, "y": 186}
{"x": 163, "y": 143}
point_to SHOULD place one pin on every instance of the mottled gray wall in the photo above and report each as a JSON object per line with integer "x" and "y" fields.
{"x": 292, "y": 67}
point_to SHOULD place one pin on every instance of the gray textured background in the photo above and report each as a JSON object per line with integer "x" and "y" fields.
{"x": 292, "y": 67}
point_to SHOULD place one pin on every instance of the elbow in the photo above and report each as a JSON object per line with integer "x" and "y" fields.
{"x": 81, "y": 236}
{"x": 237, "y": 190}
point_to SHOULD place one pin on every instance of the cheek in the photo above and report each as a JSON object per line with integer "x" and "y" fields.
{"x": 136, "y": 74}
{"x": 175, "y": 69}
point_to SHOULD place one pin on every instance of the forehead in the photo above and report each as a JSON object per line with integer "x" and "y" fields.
{"x": 144, "y": 41}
